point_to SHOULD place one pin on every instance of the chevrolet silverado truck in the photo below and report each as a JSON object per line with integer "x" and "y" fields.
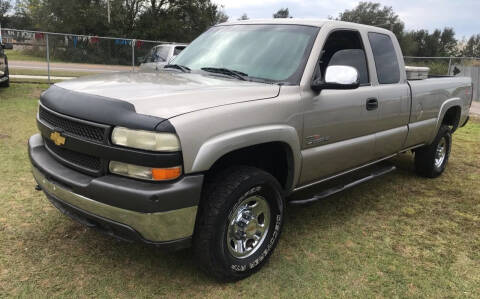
{"x": 4, "y": 74}
{"x": 207, "y": 151}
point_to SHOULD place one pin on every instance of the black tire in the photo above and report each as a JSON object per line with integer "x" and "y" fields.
{"x": 223, "y": 194}
{"x": 6, "y": 83}
{"x": 426, "y": 157}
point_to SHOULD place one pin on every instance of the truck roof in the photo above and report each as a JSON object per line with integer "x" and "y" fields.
{"x": 306, "y": 22}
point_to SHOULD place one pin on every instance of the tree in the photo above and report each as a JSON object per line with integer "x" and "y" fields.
{"x": 221, "y": 17}
{"x": 5, "y": 7}
{"x": 424, "y": 44}
{"x": 370, "y": 13}
{"x": 472, "y": 47}
{"x": 448, "y": 42}
{"x": 282, "y": 13}
{"x": 413, "y": 43}
{"x": 243, "y": 17}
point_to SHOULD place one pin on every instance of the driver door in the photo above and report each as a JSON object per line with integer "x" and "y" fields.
{"x": 339, "y": 132}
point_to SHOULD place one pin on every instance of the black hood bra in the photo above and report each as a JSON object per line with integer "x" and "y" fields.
{"x": 101, "y": 110}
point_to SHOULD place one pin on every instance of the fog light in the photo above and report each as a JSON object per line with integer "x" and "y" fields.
{"x": 146, "y": 173}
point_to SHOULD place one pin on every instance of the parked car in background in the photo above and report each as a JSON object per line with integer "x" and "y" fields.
{"x": 161, "y": 55}
{"x": 4, "y": 78}
{"x": 207, "y": 151}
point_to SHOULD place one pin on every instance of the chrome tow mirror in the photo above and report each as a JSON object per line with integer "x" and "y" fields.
{"x": 338, "y": 77}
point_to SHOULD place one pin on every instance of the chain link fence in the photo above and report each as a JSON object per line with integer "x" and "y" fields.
{"x": 50, "y": 57}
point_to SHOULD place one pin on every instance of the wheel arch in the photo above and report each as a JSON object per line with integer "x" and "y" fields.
{"x": 259, "y": 147}
{"x": 453, "y": 107}
{"x": 452, "y": 117}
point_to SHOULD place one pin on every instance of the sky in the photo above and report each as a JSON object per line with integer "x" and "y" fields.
{"x": 462, "y": 15}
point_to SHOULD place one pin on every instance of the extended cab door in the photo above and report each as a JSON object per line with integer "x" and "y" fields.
{"x": 339, "y": 130}
{"x": 393, "y": 94}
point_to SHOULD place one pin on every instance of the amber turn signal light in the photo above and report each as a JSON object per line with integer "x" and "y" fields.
{"x": 163, "y": 174}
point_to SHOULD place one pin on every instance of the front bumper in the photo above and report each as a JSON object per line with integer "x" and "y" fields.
{"x": 159, "y": 213}
{"x": 3, "y": 77}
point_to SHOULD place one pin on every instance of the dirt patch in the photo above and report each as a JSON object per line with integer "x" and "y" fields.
{"x": 36, "y": 93}
{"x": 475, "y": 109}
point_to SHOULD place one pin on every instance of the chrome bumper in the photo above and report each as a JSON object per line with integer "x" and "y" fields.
{"x": 154, "y": 227}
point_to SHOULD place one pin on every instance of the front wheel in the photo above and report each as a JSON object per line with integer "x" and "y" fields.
{"x": 431, "y": 160}
{"x": 239, "y": 222}
{"x": 7, "y": 82}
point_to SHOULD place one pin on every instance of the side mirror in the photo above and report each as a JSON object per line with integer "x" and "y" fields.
{"x": 8, "y": 46}
{"x": 338, "y": 77}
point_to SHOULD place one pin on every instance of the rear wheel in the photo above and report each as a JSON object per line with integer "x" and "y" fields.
{"x": 431, "y": 160}
{"x": 239, "y": 222}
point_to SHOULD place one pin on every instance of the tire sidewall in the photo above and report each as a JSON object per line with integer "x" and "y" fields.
{"x": 268, "y": 188}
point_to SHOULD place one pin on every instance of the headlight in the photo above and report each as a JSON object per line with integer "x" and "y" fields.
{"x": 146, "y": 173}
{"x": 146, "y": 140}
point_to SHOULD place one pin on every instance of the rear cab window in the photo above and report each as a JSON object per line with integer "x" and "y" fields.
{"x": 385, "y": 56}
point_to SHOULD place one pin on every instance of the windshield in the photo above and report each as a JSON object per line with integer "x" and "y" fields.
{"x": 272, "y": 52}
{"x": 161, "y": 54}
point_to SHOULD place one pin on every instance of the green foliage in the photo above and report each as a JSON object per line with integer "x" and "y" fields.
{"x": 472, "y": 48}
{"x": 370, "y": 13}
{"x": 413, "y": 43}
{"x": 5, "y": 7}
{"x": 425, "y": 44}
{"x": 243, "y": 17}
{"x": 172, "y": 20}
{"x": 282, "y": 13}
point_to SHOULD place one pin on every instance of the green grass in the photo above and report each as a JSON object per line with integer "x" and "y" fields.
{"x": 396, "y": 236}
{"x": 31, "y": 56}
{"x": 21, "y": 55}
{"x": 37, "y": 72}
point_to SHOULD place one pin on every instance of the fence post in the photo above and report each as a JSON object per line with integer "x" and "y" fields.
{"x": 48, "y": 58}
{"x": 133, "y": 55}
{"x": 449, "y": 65}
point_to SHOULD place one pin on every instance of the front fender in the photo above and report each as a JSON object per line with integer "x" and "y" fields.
{"x": 220, "y": 145}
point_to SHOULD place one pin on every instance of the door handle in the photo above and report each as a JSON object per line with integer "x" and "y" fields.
{"x": 372, "y": 104}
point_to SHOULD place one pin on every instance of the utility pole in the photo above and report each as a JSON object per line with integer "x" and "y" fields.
{"x": 108, "y": 11}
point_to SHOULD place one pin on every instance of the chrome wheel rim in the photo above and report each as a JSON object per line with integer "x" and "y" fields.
{"x": 441, "y": 152}
{"x": 248, "y": 225}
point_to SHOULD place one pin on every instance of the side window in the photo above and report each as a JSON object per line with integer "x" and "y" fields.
{"x": 149, "y": 58}
{"x": 386, "y": 61}
{"x": 177, "y": 50}
{"x": 345, "y": 47}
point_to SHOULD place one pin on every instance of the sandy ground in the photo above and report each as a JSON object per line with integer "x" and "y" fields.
{"x": 475, "y": 109}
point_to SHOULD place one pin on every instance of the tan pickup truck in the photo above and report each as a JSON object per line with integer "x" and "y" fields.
{"x": 251, "y": 115}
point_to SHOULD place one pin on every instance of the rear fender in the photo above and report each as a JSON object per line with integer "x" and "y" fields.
{"x": 443, "y": 110}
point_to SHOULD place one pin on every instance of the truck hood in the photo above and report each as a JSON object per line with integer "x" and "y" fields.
{"x": 166, "y": 94}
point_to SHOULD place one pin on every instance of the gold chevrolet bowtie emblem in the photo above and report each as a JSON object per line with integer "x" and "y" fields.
{"x": 57, "y": 138}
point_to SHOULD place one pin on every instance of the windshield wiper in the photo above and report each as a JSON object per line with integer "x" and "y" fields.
{"x": 232, "y": 73}
{"x": 183, "y": 68}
